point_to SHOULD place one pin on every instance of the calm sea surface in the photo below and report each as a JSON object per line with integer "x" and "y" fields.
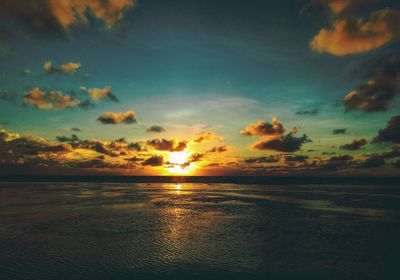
{"x": 198, "y": 231}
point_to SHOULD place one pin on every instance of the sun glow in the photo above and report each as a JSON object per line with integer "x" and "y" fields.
{"x": 179, "y": 163}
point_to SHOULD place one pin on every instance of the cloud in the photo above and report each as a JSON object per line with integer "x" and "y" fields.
{"x": 28, "y": 151}
{"x": 7, "y": 96}
{"x": 73, "y": 138}
{"x": 372, "y": 162}
{"x": 87, "y": 104}
{"x": 135, "y": 146}
{"x": 154, "y": 161}
{"x": 288, "y": 143}
{"x": 208, "y": 136}
{"x": 117, "y": 118}
{"x": 336, "y": 162}
{"x": 354, "y": 145}
{"x": 337, "y": 7}
{"x": 119, "y": 147}
{"x": 97, "y": 94}
{"x": 155, "y": 128}
{"x": 63, "y": 14}
{"x": 273, "y": 138}
{"x": 339, "y": 131}
{"x": 273, "y": 128}
{"x": 296, "y": 158}
{"x": 356, "y": 35}
{"x": 68, "y": 68}
{"x": 219, "y": 149}
{"x": 14, "y": 147}
{"x": 172, "y": 145}
{"x": 380, "y": 89}
{"x": 49, "y": 100}
{"x": 307, "y": 112}
{"x": 391, "y": 133}
{"x": 269, "y": 159}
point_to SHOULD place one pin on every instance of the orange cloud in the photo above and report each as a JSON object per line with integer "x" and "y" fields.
{"x": 97, "y": 94}
{"x": 351, "y": 36}
{"x": 49, "y": 100}
{"x": 338, "y": 6}
{"x": 273, "y": 128}
{"x": 208, "y": 136}
{"x": 69, "y": 12}
{"x": 69, "y": 67}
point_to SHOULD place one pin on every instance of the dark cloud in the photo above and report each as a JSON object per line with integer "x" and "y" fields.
{"x": 118, "y": 118}
{"x": 172, "y": 145}
{"x": 372, "y": 162}
{"x": 119, "y": 147}
{"x": 269, "y": 159}
{"x": 394, "y": 153}
{"x": 195, "y": 157}
{"x": 391, "y": 133}
{"x": 219, "y": 149}
{"x": 296, "y": 158}
{"x": 272, "y": 137}
{"x": 87, "y": 104}
{"x": 135, "y": 159}
{"x": 379, "y": 90}
{"x": 154, "y": 161}
{"x": 307, "y": 112}
{"x": 28, "y": 151}
{"x": 135, "y": 146}
{"x": 15, "y": 147}
{"x": 7, "y": 96}
{"x": 287, "y": 144}
{"x": 356, "y": 144}
{"x": 73, "y": 138}
{"x": 339, "y": 131}
{"x": 336, "y": 162}
{"x": 155, "y": 128}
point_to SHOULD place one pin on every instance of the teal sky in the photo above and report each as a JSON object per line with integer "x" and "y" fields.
{"x": 195, "y": 66}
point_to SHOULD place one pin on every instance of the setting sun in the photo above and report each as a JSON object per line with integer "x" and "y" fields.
{"x": 179, "y": 163}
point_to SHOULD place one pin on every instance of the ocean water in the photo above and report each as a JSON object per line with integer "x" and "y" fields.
{"x": 198, "y": 231}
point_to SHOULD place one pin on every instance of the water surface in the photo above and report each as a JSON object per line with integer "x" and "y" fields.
{"x": 198, "y": 231}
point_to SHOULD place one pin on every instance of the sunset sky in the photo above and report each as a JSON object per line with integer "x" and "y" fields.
{"x": 190, "y": 87}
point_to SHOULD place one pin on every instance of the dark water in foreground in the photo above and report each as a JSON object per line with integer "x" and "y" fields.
{"x": 198, "y": 231}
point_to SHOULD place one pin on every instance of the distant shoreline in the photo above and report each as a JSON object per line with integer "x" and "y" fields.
{"x": 290, "y": 180}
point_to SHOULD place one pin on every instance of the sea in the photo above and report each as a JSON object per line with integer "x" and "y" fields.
{"x": 210, "y": 230}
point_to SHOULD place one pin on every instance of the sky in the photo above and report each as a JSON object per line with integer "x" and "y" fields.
{"x": 189, "y": 87}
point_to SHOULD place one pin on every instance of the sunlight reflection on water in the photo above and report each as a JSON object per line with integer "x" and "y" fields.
{"x": 119, "y": 231}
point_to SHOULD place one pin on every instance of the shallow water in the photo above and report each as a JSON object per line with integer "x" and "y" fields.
{"x": 198, "y": 231}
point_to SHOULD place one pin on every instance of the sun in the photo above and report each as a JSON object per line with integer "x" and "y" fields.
{"x": 179, "y": 163}
{"x": 178, "y": 157}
